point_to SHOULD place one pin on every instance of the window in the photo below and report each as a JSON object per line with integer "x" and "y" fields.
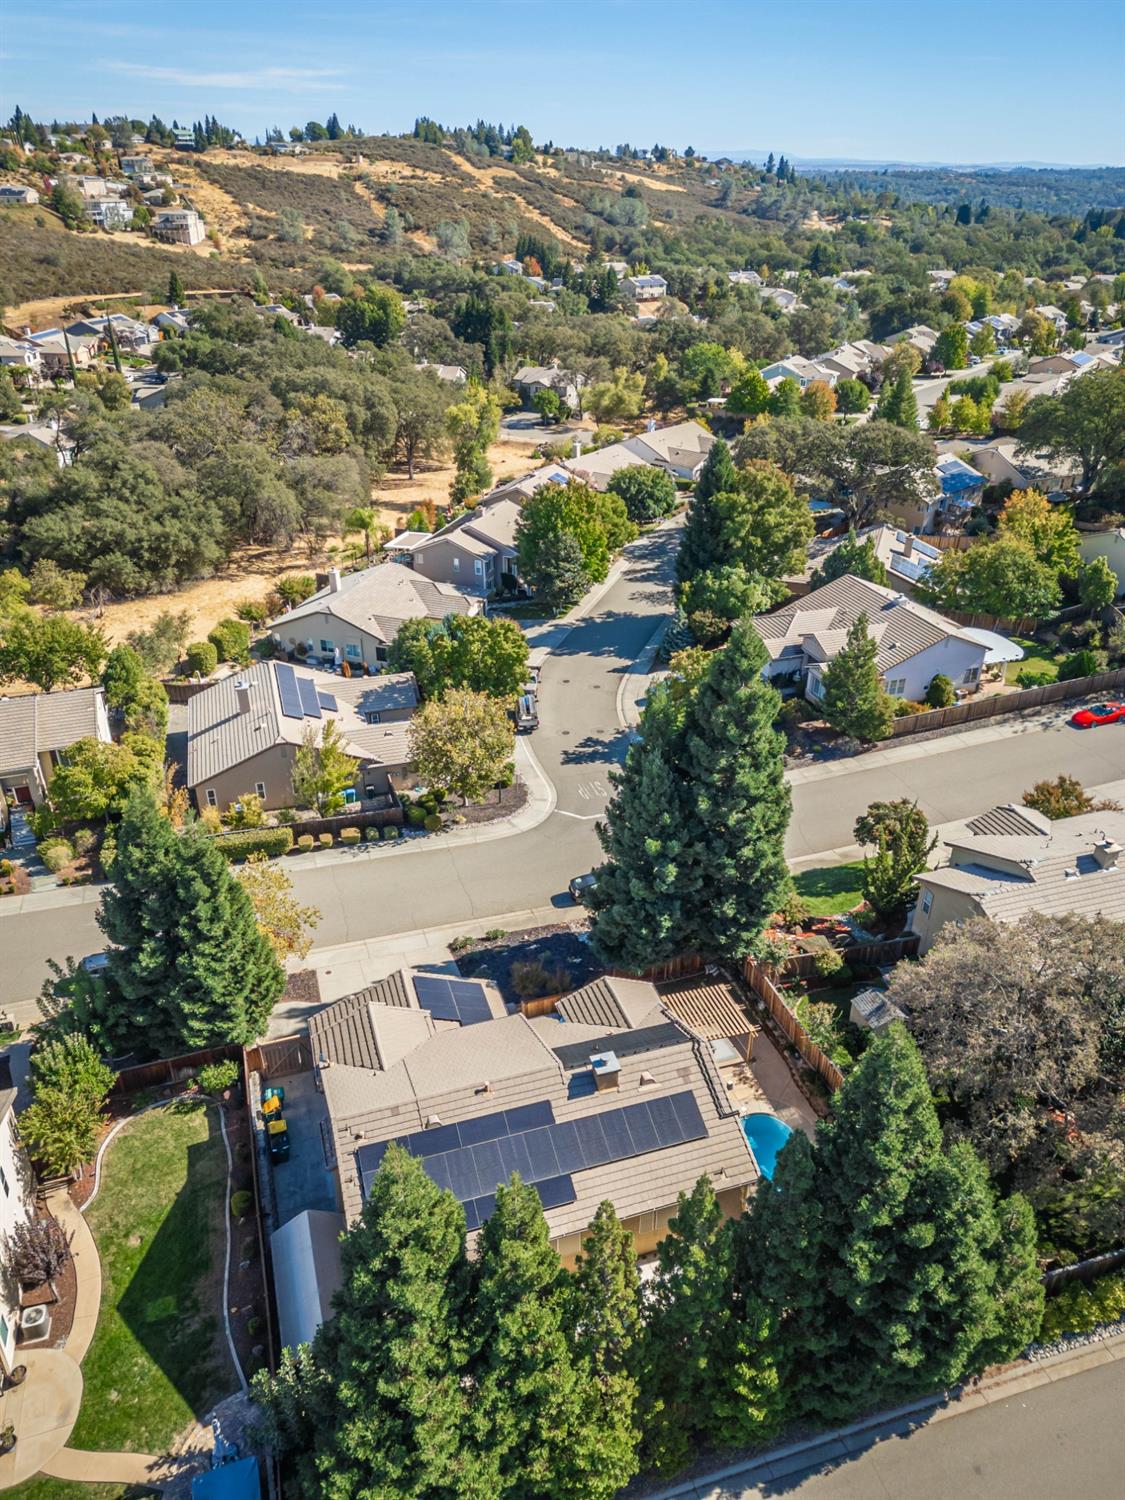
{"x": 927, "y": 902}
{"x": 4, "y": 1182}
{"x": 353, "y": 651}
{"x": 380, "y": 653}
{"x": 370, "y": 717}
{"x": 478, "y": 567}
{"x": 972, "y": 675}
{"x": 327, "y": 646}
{"x": 816, "y": 687}
{"x": 457, "y": 565}
{"x": 212, "y": 800}
{"x": 896, "y": 686}
{"x": 260, "y": 789}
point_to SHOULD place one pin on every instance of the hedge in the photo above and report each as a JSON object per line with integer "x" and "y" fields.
{"x": 202, "y": 658}
{"x": 247, "y": 841}
{"x": 231, "y": 639}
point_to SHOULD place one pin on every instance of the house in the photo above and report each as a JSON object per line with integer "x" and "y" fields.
{"x": 998, "y": 462}
{"x": 450, "y": 374}
{"x": 781, "y": 297}
{"x": 137, "y": 166}
{"x": 644, "y": 288}
{"x": 906, "y": 557}
{"x": 475, "y": 551}
{"x": 511, "y": 267}
{"x": 1066, "y": 362}
{"x": 357, "y": 616}
{"x": 744, "y": 278}
{"x": 1107, "y": 544}
{"x": 90, "y": 188}
{"x": 531, "y": 379}
{"x": 957, "y": 491}
{"x": 21, "y": 354}
{"x": 47, "y": 435}
{"x": 244, "y": 731}
{"x": 681, "y": 449}
{"x": 1013, "y": 861}
{"x": 179, "y": 226}
{"x": 610, "y": 1097}
{"x": 36, "y": 731}
{"x": 12, "y": 192}
{"x": 175, "y": 320}
{"x": 17, "y": 1205}
{"x": 850, "y": 361}
{"x": 1004, "y": 326}
{"x": 941, "y": 277}
{"x": 1054, "y": 315}
{"x": 130, "y": 333}
{"x": 55, "y": 355}
{"x": 803, "y": 371}
{"x": 914, "y": 644}
{"x": 110, "y": 213}
{"x": 183, "y": 140}
{"x": 919, "y": 336}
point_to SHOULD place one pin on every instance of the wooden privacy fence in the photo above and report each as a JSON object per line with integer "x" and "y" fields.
{"x": 1083, "y": 1270}
{"x": 670, "y": 968}
{"x": 376, "y": 817}
{"x": 988, "y": 707}
{"x": 169, "y": 1070}
{"x": 289, "y": 1054}
{"x": 764, "y": 987}
{"x": 803, "y": 965}
{"x": 183, "y": 689}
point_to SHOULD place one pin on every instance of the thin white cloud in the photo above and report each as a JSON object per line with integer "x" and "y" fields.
{"x": 257, "y": 78}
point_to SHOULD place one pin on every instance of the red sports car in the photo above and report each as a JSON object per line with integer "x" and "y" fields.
{"x": 1098, "y": 713}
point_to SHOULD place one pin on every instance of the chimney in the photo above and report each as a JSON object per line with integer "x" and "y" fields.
{"x": 242, "y": 695}
{"x": 908, "y": 545}
{"x": 1107, "y": 853}
{"x": 576, "y": 449}
{"x": 650, "y": 425}
{"x": 333, "y": 580}
{"x": 607, "y": 1071}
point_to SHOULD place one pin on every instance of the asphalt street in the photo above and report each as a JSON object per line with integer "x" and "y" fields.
{"x": 579, "y": 741}
{"x": 1061, "y": 1439}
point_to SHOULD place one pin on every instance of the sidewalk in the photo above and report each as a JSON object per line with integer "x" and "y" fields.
{"x": 778, "y": 1468}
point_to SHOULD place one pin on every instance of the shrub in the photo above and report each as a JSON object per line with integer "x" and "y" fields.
{"x": 940, "y": 692}
{"x": 906, "y": 708}
{"x": 794, "y": 909}
{"x": 349, "y": 835}
{"x": 415, "y": 816}
{"x": 6, "y": 866}
{"x": 532, "y": 979}
{"x": 296, "y": 588}
{"x": 108, "y": 852}
{"x": 1026, "y": 679}
{"x": 286, "y": 815}
{"x": 217, "y": 1076}
{"x": 231, "y": 640}
{"x": 1084, "y": 663}
{"x": 56, "y": 854}
{"x": 390, "y": 833}
{"x": 828, "y": 963}
{"x": 1083, "y": 1306}
{"x": 253, "y": 611}
{"x": 462, "y": 944}
{"x": 269, "y": 841}
{"x": 326, "y": 841}
{"x": 241, "y": 1202}
{"x": 432, "y": 823}
{"x": 43, "y": 821}
{"x": 372, "y": 835}
{"x": 247, "y": 812}
{"x": 84, "y": 840}
{"x": 494, "y": 934}
{"x": 306, "y": 841}
{"x": 202, "y": 658}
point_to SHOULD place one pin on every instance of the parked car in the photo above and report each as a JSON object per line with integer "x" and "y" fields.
{"x": 526, "y": 714}
{"x": 277, "y": 1134}
{"x": 1098, "y": 713}
{"x": 95, "y": 963}
{"x": 533, "y": 675}
{"x": 580, "y": 885}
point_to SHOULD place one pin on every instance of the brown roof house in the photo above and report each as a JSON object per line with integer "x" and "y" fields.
{"x": 609, "y": 1097}
{"x": 914, "y": 643}
{"x": 244, "y": 732}
{"x": 475, "y": 552}
{"x": 36, "y": 731}
{"x": 357, "y": 616}
{"x": 1012, "y": 861}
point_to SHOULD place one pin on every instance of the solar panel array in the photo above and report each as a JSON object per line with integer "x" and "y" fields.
{"x": 309, "y": 701}
{"x": 287, "y": 690}
{"x": 459, "y": 1000}
{"x": 327, "y": 701}
{"x": 473, "y": 1157}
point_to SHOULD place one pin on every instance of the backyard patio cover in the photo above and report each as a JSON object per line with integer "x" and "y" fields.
{"x": 997, "y": 648}
{"x": 306, "y": 1271}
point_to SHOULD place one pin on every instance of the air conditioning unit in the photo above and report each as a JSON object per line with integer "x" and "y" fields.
{"x": 35, "y": 1322}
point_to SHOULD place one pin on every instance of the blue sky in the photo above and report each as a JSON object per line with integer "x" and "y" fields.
{"x": 965, "y": 81}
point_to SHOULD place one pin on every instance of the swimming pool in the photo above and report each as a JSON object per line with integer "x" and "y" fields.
{"x": 766, "y": 1134}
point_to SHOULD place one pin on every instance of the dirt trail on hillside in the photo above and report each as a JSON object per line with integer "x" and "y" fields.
{"x": 526, "y": 209}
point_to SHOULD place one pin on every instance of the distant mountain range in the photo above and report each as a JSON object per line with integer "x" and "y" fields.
{"x": 848, "y": 163}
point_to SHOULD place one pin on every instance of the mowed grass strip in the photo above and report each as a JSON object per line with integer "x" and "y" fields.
{"x": 158, "y": 1358}
{"x": 831, "y": 890}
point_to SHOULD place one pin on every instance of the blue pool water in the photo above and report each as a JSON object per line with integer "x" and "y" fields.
{"x": 766, "y": 1134}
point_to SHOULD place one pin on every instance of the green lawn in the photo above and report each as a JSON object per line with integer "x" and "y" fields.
{"x": 159, "y": 1356}
{"x": 42, "y": 1488}
{"x": 831, "y": 890}
{"x": 1037, "y": 658}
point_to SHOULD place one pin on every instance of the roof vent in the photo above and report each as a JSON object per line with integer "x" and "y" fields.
{"x": 1107, "y": 853}
{"x": 432, "y": 1121}
{"x": 646, "y": 1081}
{"x": 607, "y": 1070}
{"x": 1071, "y": 874}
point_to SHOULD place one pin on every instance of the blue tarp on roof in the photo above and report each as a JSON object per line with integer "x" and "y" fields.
{"x": 954, "y": 483}
{"x": 233, "y": 1481}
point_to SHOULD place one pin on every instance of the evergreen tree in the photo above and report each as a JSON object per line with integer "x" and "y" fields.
{"x": 604, "y": 1329}
{"x": 853, "y": 698}
{"x": 740, "y": 803}
{"x": 175, "y": 289}
{"x": 188, "y": 967}
{"x": 860, "y": 559}
{"x": 897, "y": 402}
{"x": 531, "y": 1395}
{"x": 698, "y": 551}
{"x": 705, "y": 1375}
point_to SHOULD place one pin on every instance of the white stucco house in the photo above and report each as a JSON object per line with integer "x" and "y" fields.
{"x": 915, "y": 644}
{"x": 1111, "y": 546}
{"x": 16, "y": 1202}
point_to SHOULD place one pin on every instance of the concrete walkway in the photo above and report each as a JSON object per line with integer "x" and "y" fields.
{"x": 88, "y": 1271}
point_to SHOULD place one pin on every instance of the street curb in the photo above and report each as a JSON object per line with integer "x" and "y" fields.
{"x": 642, "y": 667}
{"x": 958, "y": 1401}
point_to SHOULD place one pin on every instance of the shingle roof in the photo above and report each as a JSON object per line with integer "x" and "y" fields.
{"x": 36, "y": 723}
{"x": 900, "y": 627}
{"x": 378, "y": 599}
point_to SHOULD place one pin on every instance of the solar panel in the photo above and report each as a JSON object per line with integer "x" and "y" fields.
{"x": 646, "y": 1137}
{"x": 472, "y": 1215}
{"x": 541, "y": 1154}
{"x": 569, "y": 1147}
{"x": 556, "y": 1191}
{"x": 433, "y": 1141}
{"x": 514, "y": 1157}
{"x": 529, "y": 1116}
{"x": 326, "y": 701}
{"x": 471, "y": 1002}
{"x": 489, "y": 1164}
{"x": 484, "y": 1128}
{"x": 617, "y": 1136}
{"x": 663, "y": 1115}
{"x": 687, "y": 1113}
{"x": 463, "y": 1177}
{"x": 286, "y": 680}
{"x": 307, "y": 689}
{"x": 595, "y": 1147}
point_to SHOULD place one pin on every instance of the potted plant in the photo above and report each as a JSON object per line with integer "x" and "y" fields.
{"x": 7, "y": 1438}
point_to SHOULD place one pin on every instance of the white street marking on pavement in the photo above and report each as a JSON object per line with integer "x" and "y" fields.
{"x": 582, "y": 817}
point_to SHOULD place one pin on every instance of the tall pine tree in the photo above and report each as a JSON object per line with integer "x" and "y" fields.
{"x": 853, "y": 700}
{"x": 707, "y": 1375}
{"x": 531, "y": 1397}
{"x": 698, "y": 540}
{"x": 732, "y": 760}
{"x": 188, "y": 967}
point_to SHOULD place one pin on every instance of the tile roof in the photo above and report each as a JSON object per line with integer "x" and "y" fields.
{"x": 378, "y": 599}
{"x": 609, "y": 1001}
{"x": 35, "y": 723}
{"x": 1009, "y": 818}
{"x": 900, "y": 627}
